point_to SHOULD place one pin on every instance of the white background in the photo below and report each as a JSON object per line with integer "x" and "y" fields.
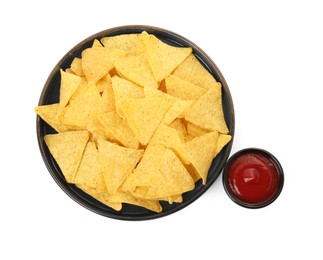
{"x": 270, "y": 53}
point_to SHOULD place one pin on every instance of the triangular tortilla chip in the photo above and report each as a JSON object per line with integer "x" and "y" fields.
{"x": 84, "y": 108}
{"x": 183, "y": 89}
{"x": 89, "y": 169}
{"x": 222, "y": 141}
{"x": 172, "y": 199}
{"x": 116, "y": 163}
{"x": 95, "y": 63}
{"x": 177, "y": 108}
{"x": 67, "y": 149}
{"x": 96, "y": 43}
{"x": 207, "y": 111}
{"x": 144, "y": 115}
{"x": 200, "y": 152}
{"x": 118, "y": 129}
{"x": 163, "y": 172}
{"x": 194, "y": 131}
{"x": 76, "y": 67}
{"x": 108, "y": 97}
{"x": 103, "y": 197}
{"x": 126, "y": 42}
{"x": 193, "y": 71}
{"x": 50, "y": 113}
{"x": 104, "y": 82}
{"x": 69, "y": 84}
{"x": 123, "y": 197}
{"x": 166, "y": 136}
{"x": 136, "y": 69}
{"x": 124, "y": 89}
{"x": 180, "y": 128}
{"x": 163, "y": 58}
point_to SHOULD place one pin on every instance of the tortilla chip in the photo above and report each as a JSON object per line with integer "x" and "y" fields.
{"x": 183, "y": 89}
{"x": 117, "y": 163}
{"x": 124, "y": 89}
{"x": 108, "y": 97}
{"x": 76, "y": 67}
{"x": 200, "y": 152}
{"x": 96, "y": 43}
{"x": 126, "y": 42}
{"x": 222, "y": 141}
{"x": 89, "y": 170}
{"x": 122, "y": 197}
{"x": 207, "y": 111}
{"x": 172, "y": 199}
{"x": 67, "y": 149}
{"x": 163, "y": 58}
{"x": 117, "y": 128}
{"x": 69, "y": 84}
{"x": 167, "y": 137}
{"x": 194, "y": 131}
{"x": 163, "y": 172}
{"x": 176, "y": 109}
{"x": 181, "y": 129}
{"x": 144, "y": 115}
{"x": 50, "y": 113}
{"x": 83, "y": 109}
{"x": 103, "y": 197}
{"x": 136, "y": 68}
{"x": 192, "y": 70}
{"x": 95, "y": 63}
{"x": 104, "y": 82}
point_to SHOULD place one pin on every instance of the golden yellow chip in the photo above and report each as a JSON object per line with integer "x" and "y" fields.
{"x": 103, "y": 197}
{"x": 95, "y": 63}
{"x": 89, "y": 170}
{"x": 84, "y": 108}
{"x": 50, "y": 113}
{"x": 108, "y": 97}
{"x": 136, "y": 69}
{"x": 116, "y": 163}
{"x": 124, "y": 89}
{"x": 163, "y": 58}
{"x": 222, "y": 141}
{"x": 192, "y": 70}
{"x": 183, "y": 89}
{"x": 76, "y": 67}
{"x": 200, "y": 152}
{"x": 167, "y": 137}
{"x": 181, "y": 129}
{"x": 172, "y": 199}
{"x": 207, "y": 111}
{"x": 163, "y": 172}
{"x": 96, "y": 43}
{"x": 144, "y": 115}
{"x": 118, "y": 129}
{"x": 123, "y": 197}
{"x": 194, "y": 131}
{"x": 126, "y": 42}
{"x": 69, "y": 84}
{"x": 67, "y": 149}
{"x": 176, "y": 110}
{"x": 104, "y": 82}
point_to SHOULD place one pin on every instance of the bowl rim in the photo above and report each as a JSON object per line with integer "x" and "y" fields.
{"x": 273, "y": 159}
{"x": 161, "y": 33}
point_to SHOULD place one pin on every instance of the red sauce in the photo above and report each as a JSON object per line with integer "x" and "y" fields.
{"x": 253, "y": 177}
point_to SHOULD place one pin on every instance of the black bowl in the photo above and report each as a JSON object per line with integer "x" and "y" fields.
{"x": 50, "y": 94}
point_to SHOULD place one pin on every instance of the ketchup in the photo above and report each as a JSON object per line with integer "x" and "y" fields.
{"x": 253, "y": 178}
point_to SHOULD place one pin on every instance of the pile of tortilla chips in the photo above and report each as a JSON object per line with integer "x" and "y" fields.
{"x": 138, "y": 121}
